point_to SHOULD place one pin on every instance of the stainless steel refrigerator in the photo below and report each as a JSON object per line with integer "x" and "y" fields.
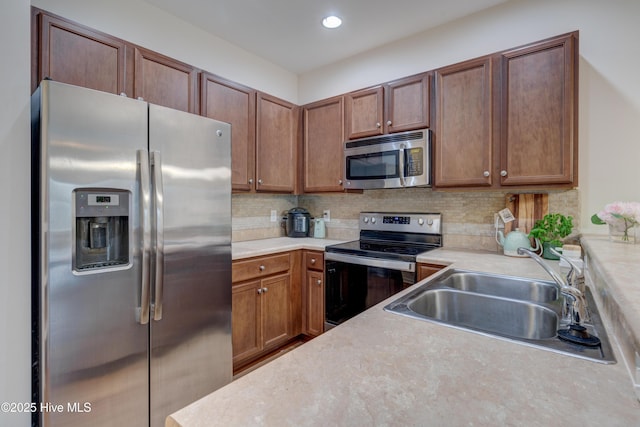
{"x": 131, "y": 258}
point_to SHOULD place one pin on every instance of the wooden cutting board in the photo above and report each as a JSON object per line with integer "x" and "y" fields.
{"x": 527, "y": 209}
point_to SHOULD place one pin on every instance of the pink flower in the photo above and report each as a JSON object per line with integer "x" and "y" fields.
{"x": 616, "y": 212}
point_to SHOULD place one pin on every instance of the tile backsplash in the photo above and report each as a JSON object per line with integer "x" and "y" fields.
{"x": 467, "y": 216}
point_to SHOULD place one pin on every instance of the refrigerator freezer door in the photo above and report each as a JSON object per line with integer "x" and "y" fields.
{"x": 92, "y": 351}
{"x": 191, "y": 340}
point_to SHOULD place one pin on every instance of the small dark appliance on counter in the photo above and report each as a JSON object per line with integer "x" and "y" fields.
{"x": 297, "y": 222}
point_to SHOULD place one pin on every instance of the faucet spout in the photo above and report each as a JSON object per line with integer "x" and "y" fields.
{"x": 574, "y": 298}
{"x": 575, "y": 276}
{"x": 560, "y": 281}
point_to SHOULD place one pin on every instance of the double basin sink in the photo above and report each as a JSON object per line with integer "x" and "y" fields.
{"x": 518, "y": 309}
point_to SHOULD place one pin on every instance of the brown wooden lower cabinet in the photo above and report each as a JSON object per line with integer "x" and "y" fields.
{"x": 427, "y": 269}
{"x": 313, "y": 293}
{"x": 265, "y": 305}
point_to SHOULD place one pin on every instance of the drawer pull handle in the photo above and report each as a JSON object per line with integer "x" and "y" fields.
{"x": 262, "y": 267}
{"x": 313, "y": 260}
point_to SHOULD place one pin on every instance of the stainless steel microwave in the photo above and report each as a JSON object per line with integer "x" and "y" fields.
{"x": 391, "y": 161}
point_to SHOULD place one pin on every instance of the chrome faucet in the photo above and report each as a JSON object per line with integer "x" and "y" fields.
{"x": 575, "y": 276}
{"x": 575, "y": 304}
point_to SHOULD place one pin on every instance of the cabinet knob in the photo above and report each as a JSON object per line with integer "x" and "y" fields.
{"x": 339, "y": 182}
{"x": 264, "y": 289}
{"x": 389, "y": 123}
{"x": 313, "y": 260}
{"x": 262, "y": 267}
{"x": 503, "y": 173}
{"x": 250, "y": 180}
{"x": 378, "y": 125}
{"x": 259, "y": 290}
{"x": 259, "y": 181}
{"x": 486, "y": 174}
{"x": 319, "y": 282}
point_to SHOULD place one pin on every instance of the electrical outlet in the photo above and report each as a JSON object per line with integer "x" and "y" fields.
{"x": 326, "y": 215}
{"x": 274, "y": 215}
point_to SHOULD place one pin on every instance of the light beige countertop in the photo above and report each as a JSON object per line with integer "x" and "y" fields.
{"x": 251, "y": 248}
{"x": 381, "y": 369}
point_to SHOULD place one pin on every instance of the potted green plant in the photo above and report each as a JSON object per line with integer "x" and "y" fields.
{"x": 550, "y": 230}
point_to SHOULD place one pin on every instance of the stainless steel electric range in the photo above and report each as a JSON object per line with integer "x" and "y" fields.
{"x": 361, "y": 273}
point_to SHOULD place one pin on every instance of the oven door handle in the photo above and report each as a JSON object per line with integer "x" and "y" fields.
{"x": 372, "y": 262}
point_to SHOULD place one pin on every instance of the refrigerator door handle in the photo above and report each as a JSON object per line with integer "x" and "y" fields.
{"x": 145, "y": 221}
{"x": 158, "y": 197}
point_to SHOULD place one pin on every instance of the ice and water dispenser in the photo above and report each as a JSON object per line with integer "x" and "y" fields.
{"x": 101, "y": 229}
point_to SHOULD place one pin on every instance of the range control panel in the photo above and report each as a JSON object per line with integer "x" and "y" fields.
{"x": 426, "y": 223}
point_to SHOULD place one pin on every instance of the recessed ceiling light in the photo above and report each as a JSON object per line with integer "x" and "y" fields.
{"x": 331, "y": 22}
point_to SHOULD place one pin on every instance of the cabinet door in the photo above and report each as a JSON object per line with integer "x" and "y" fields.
{"x": 407, "y": 103}
{"x": 230, "y": 102}
{"x": 74, "y": 54}
{"x": 539, "y": 113}
{"x": 425, "y": 270}
{"x": 364, "y": 113}
{"x": 276, "y": 144}
{"x": 276, "y": 310}
{"x": 463, "y": 141}
{"x": 246, "y": 320}
{"x": 323, "y": 141}
{"x": 314, "y": 303}
{"x": 165, "y": 81}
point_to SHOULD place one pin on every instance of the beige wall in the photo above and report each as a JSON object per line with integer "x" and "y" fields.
{"x": 609, "y": 111}
{"x": 15, "y": 242}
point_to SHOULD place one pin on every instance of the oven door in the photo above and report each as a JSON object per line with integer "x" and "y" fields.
{"x": 355, "y": 283}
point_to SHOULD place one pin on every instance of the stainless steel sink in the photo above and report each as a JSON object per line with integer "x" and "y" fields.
{"x": 508, "y": 317}
{"x": 519, "y": 288}
{"x": 516, "y": 309}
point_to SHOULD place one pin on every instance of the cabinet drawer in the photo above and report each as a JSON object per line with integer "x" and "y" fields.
{"x": 259, "y": 267}
{"x": 315, "y": 260}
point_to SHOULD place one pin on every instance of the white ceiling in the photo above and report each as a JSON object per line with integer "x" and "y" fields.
{"x": 289, "y": 33}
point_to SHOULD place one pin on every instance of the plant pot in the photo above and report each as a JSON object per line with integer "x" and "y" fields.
{"x": 546, "y": 252}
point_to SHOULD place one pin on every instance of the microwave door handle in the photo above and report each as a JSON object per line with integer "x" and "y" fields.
{"x": 158, "y": 196}
{"x": 145, "y": 223}
{"x": 401, "y": 165}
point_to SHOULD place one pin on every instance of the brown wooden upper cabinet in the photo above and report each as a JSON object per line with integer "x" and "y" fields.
{"x": 276, "y": 144}
{"x": 393, "y": 107}
{"x": 463, "y": 153}
{"x": 74, "y": 54}
{"x": 539, "y": 134}
{"x": 509, "y": 119}
{"x": 264, "y": 134}
{"x": 233, "y": 103}
{"x": 165, "y": 81}
{"x": 323, "y": 140}
{"x": 71, "y": 53}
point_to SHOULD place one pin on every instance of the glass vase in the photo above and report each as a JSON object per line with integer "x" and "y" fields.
{"x": 622, "y": 232}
